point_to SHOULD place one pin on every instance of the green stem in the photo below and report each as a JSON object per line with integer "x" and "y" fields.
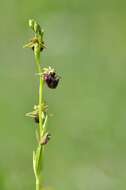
{"x": 37, "y": 185}
{"x": 40, "y": 104}
{"x": 37, "y": 59}
{"x": 40, "y": 153}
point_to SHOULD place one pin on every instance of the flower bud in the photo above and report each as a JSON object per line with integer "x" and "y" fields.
{"x": 36, "y": 28}
{"x": 31, "y": 23}
{"x": 45, "y": 139}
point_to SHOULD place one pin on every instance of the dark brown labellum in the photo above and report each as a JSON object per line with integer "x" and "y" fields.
{"x": 51, "y": 80}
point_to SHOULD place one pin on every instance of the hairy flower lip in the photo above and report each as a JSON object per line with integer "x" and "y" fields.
{"x": 51, "y": 79}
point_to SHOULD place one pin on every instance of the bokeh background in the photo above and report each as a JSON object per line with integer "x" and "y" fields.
{"x": 86, "y": 42}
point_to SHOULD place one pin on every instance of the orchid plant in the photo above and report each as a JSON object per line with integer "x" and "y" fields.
{"x": 48, "y": 77}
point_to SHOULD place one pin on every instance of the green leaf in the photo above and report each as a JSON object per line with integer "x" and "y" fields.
{"x": 34, "y": 164}
{"x": 39, "y": 159}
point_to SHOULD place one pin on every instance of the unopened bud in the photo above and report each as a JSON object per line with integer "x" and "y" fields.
{"x": 45, "y": 138}
{"x": 31, "y": 24}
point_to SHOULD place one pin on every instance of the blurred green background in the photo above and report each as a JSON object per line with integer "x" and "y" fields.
{"x": 86, "y": 42}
